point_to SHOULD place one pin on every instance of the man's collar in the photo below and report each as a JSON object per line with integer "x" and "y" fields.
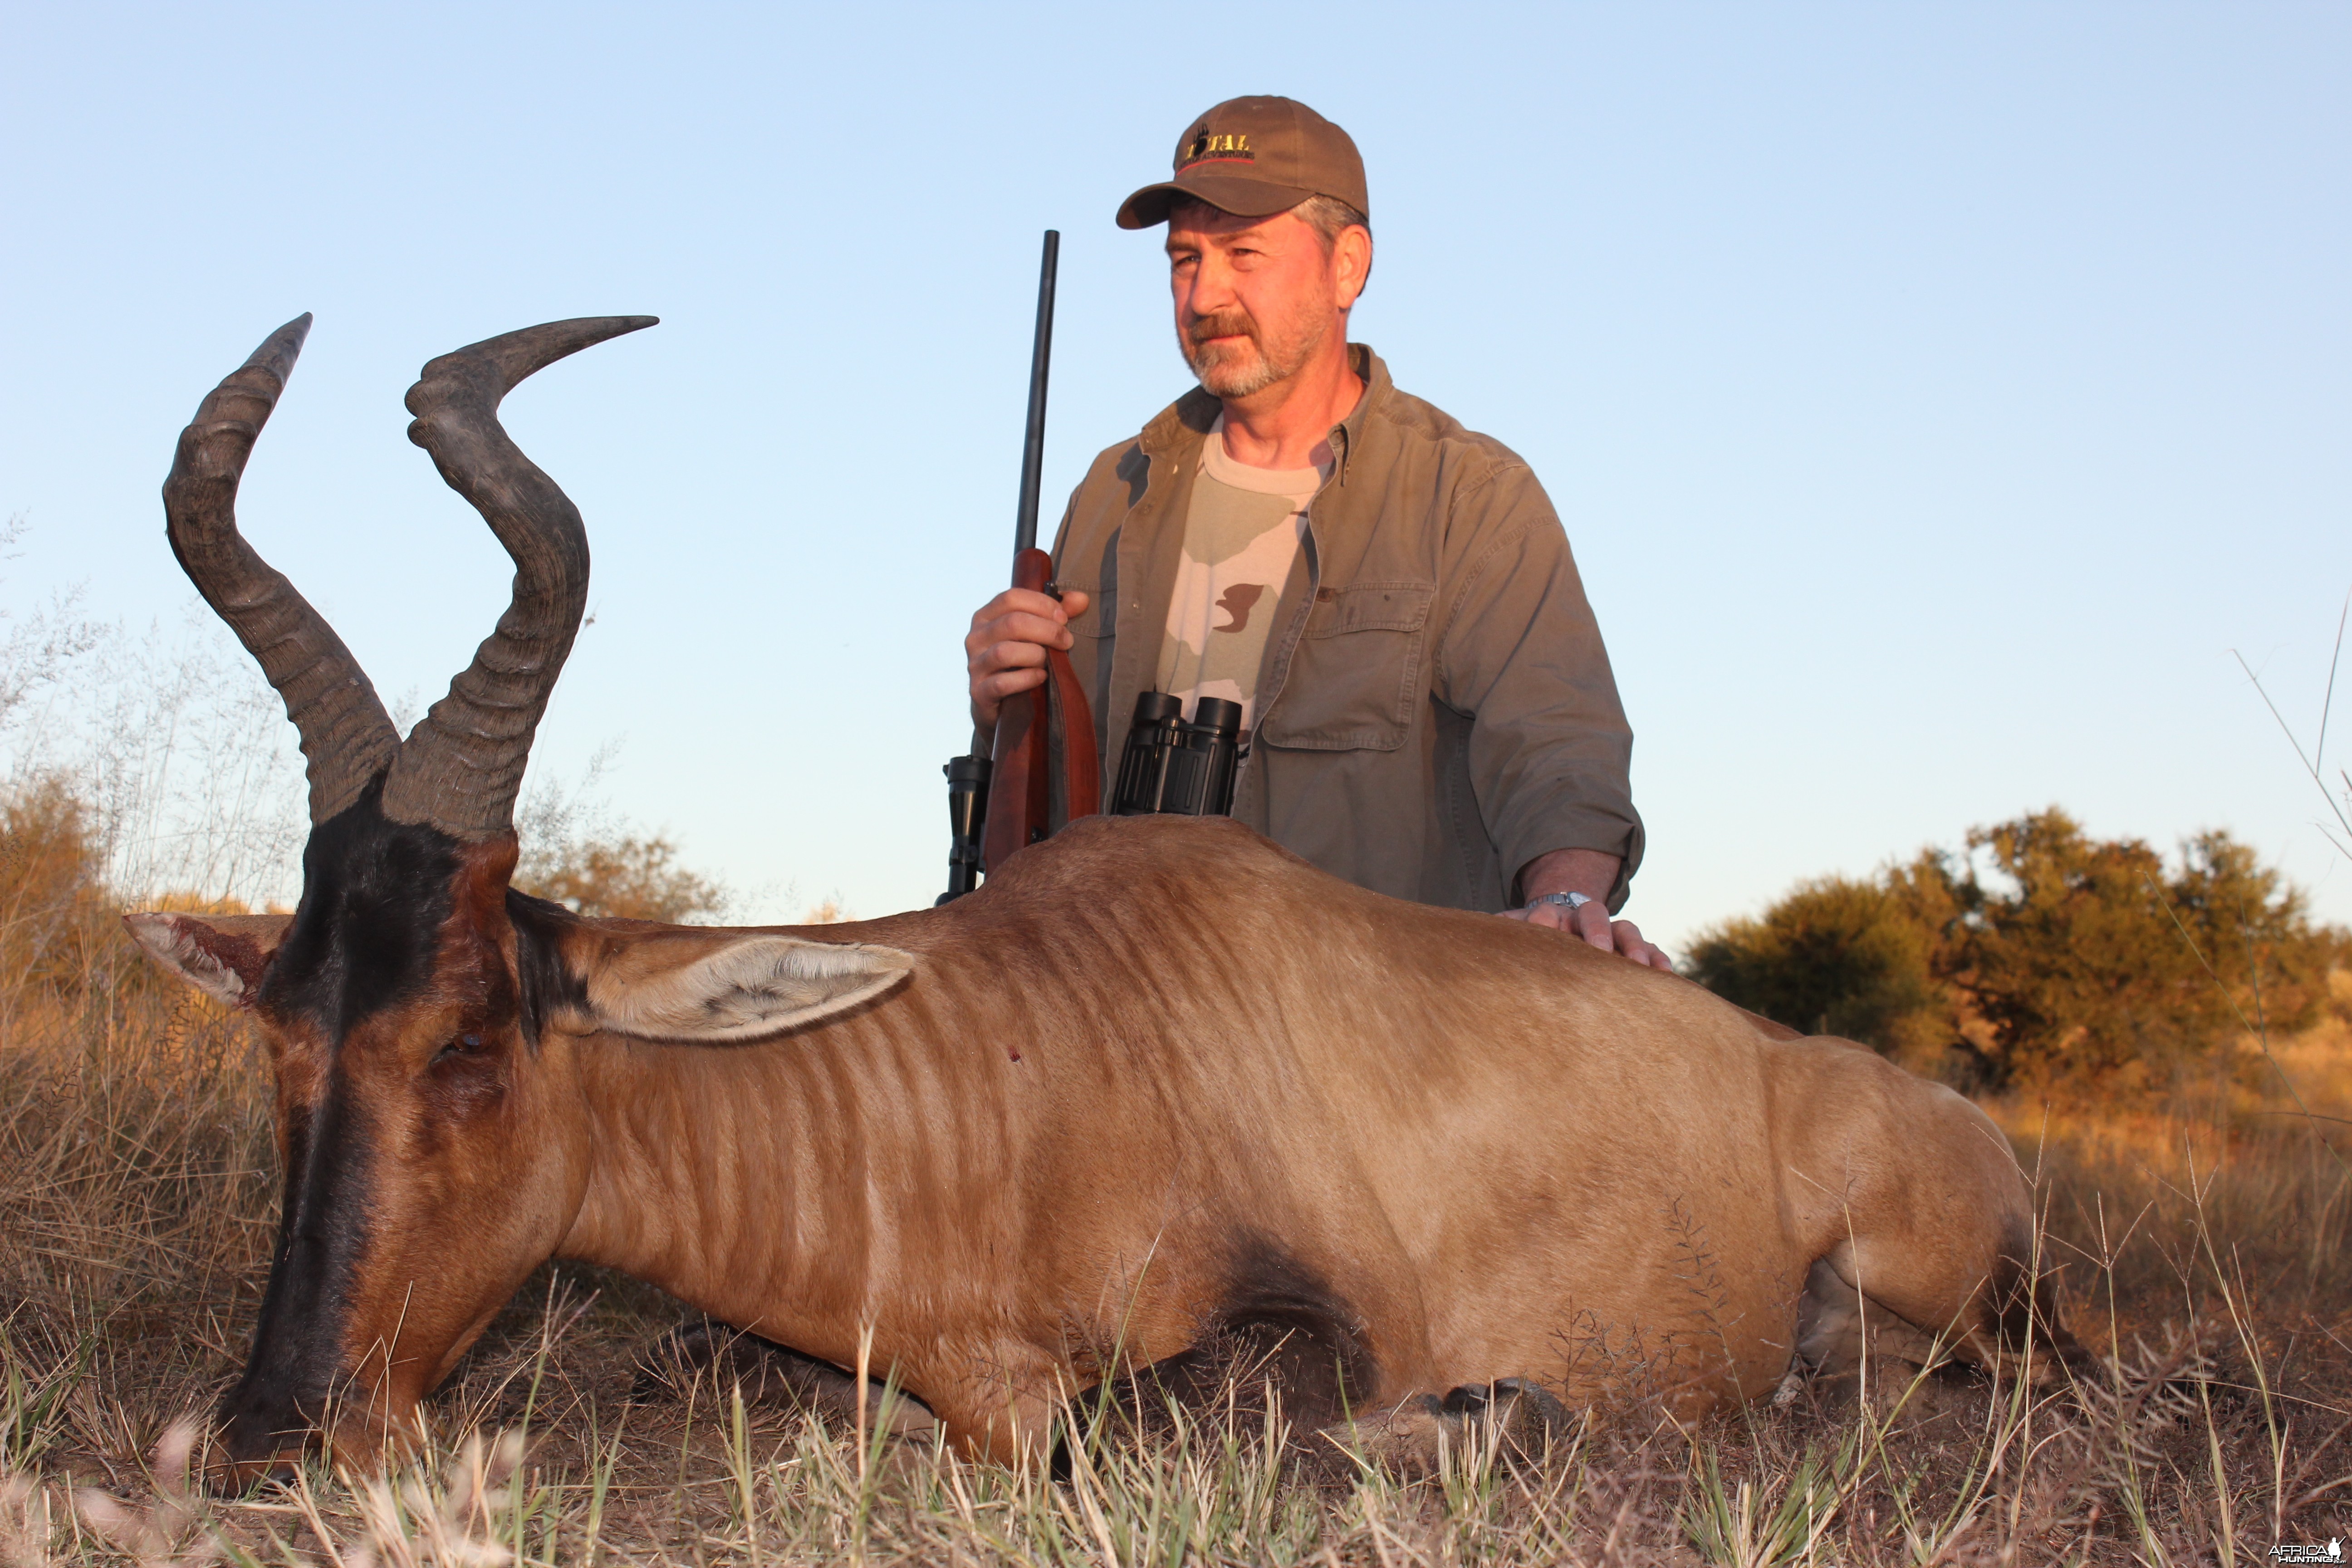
{"x": 1377, "y": 387}
{"x": 1188, "y": 421}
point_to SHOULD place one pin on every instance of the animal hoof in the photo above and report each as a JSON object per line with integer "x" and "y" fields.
{"x": 1791, "y": 1387}
{"x": 1416, "y": 1436}
{"x": 1520, "y": 1419}
{"x": 1531, "y": 1412}
{"x": 1523, "y": 1417}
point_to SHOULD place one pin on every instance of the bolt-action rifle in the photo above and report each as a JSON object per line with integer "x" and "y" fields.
{"x": 1000, "y": 803}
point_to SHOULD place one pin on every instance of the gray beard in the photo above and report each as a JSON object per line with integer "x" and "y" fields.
{"x": 1225, "y": 379}
{"x": 1222, "y": 377}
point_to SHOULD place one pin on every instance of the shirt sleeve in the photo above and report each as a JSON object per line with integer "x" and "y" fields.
{"x": 1520, "y": 653}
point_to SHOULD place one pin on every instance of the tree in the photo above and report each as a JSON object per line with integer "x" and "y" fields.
{"x": 2090, "y": 964}
{"x": 628, "y": 876}
{"x": 1834, "y": 957}
{"x": 55, "y": 918}
{"x": 2037, "y": 956}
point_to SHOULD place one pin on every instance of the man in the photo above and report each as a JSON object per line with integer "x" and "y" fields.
{"x": 1427, "y": 707}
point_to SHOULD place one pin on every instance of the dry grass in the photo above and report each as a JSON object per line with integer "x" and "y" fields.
{"x": 2206, "y": 1253}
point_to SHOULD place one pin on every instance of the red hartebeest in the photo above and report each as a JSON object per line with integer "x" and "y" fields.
{"x": 1404, "y": 1151}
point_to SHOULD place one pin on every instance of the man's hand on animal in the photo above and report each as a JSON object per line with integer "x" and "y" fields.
{"x": 1004, "y": 652}
{"x": 1560, "y": 887}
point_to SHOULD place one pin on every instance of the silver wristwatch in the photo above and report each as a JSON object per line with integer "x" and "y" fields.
{"x": 1574, "y": 901}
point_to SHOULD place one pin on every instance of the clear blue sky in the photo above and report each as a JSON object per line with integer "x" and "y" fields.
{"x": 1935, "y": 395}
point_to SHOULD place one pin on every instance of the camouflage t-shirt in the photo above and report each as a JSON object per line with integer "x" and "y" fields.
{"x": 1241, "y": 543}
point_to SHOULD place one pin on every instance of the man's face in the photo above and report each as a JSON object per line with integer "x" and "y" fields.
{"x": 1256, "y": 298}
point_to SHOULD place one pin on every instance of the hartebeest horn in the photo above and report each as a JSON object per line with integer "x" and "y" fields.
{"x": 462, "y": 766}
{"x": 345, "y": 732}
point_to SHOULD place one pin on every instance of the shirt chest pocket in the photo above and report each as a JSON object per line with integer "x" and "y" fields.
{"x": 1355, "y": 673}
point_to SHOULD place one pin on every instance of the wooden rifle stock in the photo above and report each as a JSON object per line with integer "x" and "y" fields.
{"x": 1020, "y": 790}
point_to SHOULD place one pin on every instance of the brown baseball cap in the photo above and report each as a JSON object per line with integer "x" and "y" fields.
{"x": 1255, "y": 157}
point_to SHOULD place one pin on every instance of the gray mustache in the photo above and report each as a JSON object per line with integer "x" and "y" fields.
{"x": 1231, "y": 324}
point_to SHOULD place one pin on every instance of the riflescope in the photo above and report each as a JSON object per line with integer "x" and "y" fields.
{"x": 1170, "y": 766}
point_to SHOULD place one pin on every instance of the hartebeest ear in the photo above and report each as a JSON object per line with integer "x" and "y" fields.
{"x": 221, "y": 955}
{"x": 722, "y": 986}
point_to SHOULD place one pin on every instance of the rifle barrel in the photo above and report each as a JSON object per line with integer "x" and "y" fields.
{"x": 1032, "y": 446}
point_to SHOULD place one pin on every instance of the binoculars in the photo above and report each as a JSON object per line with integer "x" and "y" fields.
{"x": 1170, "y": 766}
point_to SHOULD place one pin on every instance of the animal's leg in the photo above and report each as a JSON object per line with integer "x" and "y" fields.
{"x": 1311, "y": 1373}
{"x": 1006, "y": 1401}
{"x": 1912, "y": 1197}
{"x": 1522, "y": 1417}
{"x": 1840, "y": 1331}
{"x": 1941, "y": 1295}
{"x": 1513, "y": 1419}
{"x": 773, "y": 1375}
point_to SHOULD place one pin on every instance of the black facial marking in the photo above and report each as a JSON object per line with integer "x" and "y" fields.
{"x": 298, "y": 1348}
{"x": 547, "y": 985}
{"x": 375, "y": 896}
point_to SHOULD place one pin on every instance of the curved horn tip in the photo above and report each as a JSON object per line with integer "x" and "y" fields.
{"x": 541, "y": 346}
{"x": 282, "y": 348}
{"x": 505, "y": 361}
{"x": 229, "y": 409}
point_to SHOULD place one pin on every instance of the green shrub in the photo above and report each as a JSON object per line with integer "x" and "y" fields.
{"x": 2040, "y": 956}
{"x": 1834, "y": 956}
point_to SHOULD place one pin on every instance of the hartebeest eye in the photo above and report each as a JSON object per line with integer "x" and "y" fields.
{"x": 465, "y": 1044}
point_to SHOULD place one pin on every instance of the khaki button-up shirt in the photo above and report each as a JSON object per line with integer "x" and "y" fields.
{"x": 1435, "y": 708}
